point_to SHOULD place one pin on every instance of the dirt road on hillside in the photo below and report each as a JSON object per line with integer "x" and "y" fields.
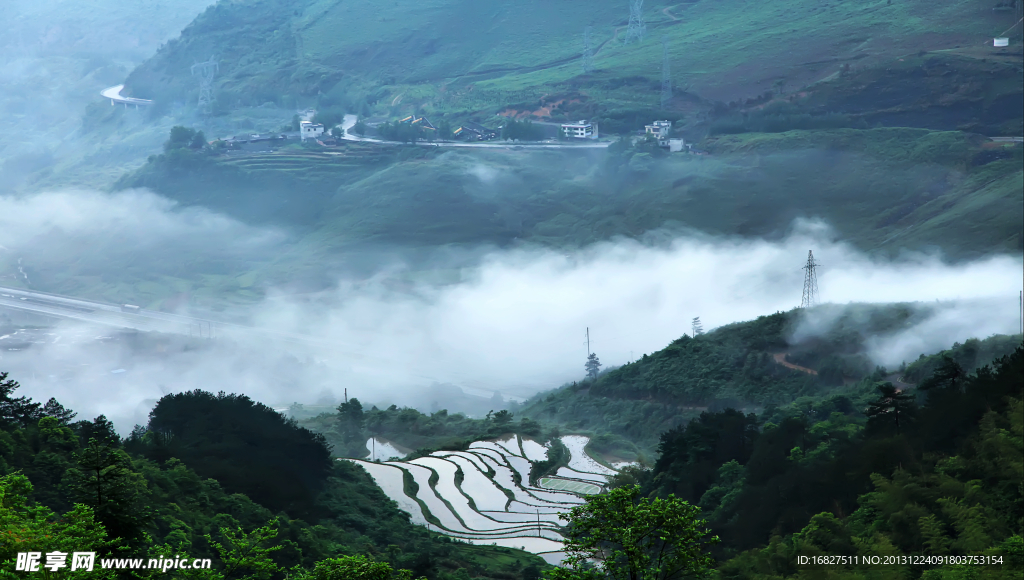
{"x": 780, "y": 358}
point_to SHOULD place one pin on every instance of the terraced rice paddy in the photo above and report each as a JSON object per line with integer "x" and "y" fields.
{"x": 483, "y": 495}
{"x": 569, "y": 485}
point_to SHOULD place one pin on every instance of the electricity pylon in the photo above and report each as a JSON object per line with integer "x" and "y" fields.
{"x": 637, "y": 27}
{"x": 588, "y": 51}
{"x": 810, "y": 297}
{"x": 666, "y": 75}
{"x": 206, "y": 71}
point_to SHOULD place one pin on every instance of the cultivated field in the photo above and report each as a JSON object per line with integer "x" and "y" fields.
{"x": 484, "y": 496}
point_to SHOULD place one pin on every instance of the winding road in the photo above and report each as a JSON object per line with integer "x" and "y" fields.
{"x": 114, "y": 94}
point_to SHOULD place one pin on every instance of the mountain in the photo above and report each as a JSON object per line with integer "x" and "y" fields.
{"x": 754, "y": 366}
{"x": 466, "y": 56}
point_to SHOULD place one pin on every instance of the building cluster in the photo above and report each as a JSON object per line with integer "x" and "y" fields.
{"x": 660, "y": 130}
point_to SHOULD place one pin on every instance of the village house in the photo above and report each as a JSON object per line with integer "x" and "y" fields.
{"x": 580, "y": 130}
{"x": 310, "y": 130}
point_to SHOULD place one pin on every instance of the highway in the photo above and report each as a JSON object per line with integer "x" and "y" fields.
{"x": 111, "y": 315}
{"x": 146, "y": 320}
{"x": 114, "y": 94}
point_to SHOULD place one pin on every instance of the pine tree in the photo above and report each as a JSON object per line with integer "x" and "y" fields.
{"x": 593, "y": 366}
{"x": 891, "y": 403}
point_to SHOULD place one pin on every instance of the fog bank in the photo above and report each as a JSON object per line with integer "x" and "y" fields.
{"x": 514, "y": 323}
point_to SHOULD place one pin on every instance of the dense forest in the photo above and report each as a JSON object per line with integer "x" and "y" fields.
{"x": 869, "y": 469}
{"x": 934, "y": 471}
{"x": 349, "y": 429}
{"x": 211, "y": 476}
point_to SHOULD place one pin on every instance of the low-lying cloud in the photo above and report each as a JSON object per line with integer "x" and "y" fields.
{"x": 515, "y": 321}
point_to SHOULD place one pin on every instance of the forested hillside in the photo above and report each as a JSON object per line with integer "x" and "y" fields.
{"x": 212, "y": 476}
{"x": 742, "y": 366}
{"x": 934, "y": 471}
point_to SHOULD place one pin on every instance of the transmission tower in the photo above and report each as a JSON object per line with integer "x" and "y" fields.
{"x": 588, "y": 51}
{"x": 206, "y": 71}
{"x": 637, "y": 27}
{"x": 666, "y": 75}
{"x": 698, "y": 328}
{"x": 810, "y": 297}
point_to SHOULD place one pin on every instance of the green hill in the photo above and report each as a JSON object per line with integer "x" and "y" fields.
{"x": 754, "y": 366}
{"x": 467, "y": 56}
{"x": 883, "y": 190}
{"x": 200, "y": 480}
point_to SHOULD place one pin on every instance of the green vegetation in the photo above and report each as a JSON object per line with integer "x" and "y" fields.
{"x": 939, "y": 478}
{"x": 739, "y": 365}
{"x": 635, "y": 538}
{"x": 970, "y": 356}
{"x": 456, "y": 57}
{"x": 349, "y": 429}
{"x": 152, "y": 495}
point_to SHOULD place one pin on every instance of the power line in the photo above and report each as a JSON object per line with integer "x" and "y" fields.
{"x": 810, "y": 296}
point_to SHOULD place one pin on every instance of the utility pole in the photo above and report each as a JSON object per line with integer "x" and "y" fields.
{"x": 810, "y": 296}
{"x": 588, "y": 51}
{"x": 206, "y": 71}
{"x": 538, "y": 524}
{"x": 666, "y": 75}
{"x": 588, "y": 341}
{"x": 346, "y": 394}
{"x": 637, "y": 27}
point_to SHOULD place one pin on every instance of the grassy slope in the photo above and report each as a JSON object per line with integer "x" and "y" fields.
{"x": 464, "y": 55}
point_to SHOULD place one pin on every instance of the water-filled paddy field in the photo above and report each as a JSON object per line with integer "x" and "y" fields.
{"x": 483, "y": 495}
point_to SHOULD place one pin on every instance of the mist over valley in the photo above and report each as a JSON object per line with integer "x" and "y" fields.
{"x": 451, "y": 289}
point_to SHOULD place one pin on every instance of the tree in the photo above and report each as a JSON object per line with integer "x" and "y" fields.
{"x": 105, "y": 481}
{"x": 351, "y": 413}
{"x": 635, "y": 538}
{"x": 502, "y": 418}
{"x": 100, "y": 429}
{"x": 359, "y": 128}
{"x": 444, "y": 129}
{"x": 27, "y": 528}
{"x": 353, "y": 568}
{"x": 891, "y": 403}
{"x": 946, "y": 376}
{"x": 184, "y": 138}
{"x": 246, "y": 556}
{"x": 19, "y": 410}
{"x": 62, "y": 414}
{"x": 593, "y": 365}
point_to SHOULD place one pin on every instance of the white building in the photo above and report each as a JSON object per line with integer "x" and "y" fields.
{"x": 659, "y": 129}
{"x": 1001, "y": 41}
{"x": 310, "y": 130}
{"x": 580, "y": 130}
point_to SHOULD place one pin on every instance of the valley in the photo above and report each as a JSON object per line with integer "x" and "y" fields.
{"x": 468, "y": 290}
